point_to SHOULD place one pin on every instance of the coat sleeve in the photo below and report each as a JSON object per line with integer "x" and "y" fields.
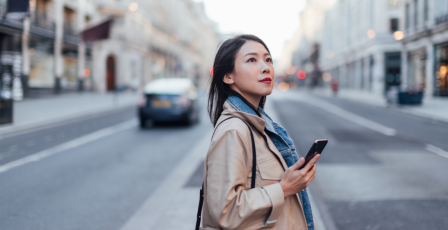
{"x": 230, "y": 205}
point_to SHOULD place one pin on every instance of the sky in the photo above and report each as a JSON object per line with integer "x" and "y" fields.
{"x": 274, "y": 21}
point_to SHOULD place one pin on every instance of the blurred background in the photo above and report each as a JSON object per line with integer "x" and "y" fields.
{"x": 103, "y": 121}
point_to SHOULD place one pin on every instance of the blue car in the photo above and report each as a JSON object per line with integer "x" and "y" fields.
{"x": 169, "y": 100}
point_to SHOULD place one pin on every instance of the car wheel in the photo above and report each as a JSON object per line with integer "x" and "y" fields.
{"x": 142, "y": 123}
{"x": 196, "y": 120}
{"x": 189, "y": 119}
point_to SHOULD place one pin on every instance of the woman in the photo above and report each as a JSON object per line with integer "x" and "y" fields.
{"x": 243, "y": 75}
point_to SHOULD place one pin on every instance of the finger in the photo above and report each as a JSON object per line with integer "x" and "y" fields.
{"x": 312, "y": 170}
{"x": 311, "y": 163}
{"x": 310, "y": 177}
{"x": 298, "y": 164}
{"x": 310, "y": 173}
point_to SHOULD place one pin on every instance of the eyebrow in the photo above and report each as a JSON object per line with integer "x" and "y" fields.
{"x": 256, "y": 54}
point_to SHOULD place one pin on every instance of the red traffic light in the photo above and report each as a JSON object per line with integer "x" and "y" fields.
{"x": 301, "y": 74}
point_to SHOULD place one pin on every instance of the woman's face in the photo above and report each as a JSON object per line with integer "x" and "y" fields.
{"x": 253, "y": 76}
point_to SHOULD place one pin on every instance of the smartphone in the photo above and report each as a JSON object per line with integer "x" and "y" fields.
{"x": 317, "y": 148}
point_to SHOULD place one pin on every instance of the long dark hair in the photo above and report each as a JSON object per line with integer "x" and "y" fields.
{"x": 225, "y": 64}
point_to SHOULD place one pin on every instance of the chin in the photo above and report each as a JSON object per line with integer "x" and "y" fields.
{"x": 267, "y": 92}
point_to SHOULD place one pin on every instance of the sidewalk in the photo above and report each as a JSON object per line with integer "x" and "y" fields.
{"x": 435, "y": 108}
{"x": 43, "y": 111}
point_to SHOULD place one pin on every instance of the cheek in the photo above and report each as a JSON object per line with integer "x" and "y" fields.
{"x": 250, "y": 73}
{"x": 247, "y": 74}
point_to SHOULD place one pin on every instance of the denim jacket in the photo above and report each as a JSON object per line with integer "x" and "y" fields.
{"x": 284, "y": 145}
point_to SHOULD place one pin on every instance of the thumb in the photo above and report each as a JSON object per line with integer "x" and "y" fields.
{"x": 298, "y": 164}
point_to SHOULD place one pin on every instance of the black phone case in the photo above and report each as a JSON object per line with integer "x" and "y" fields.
{"x": 317, "y": 148}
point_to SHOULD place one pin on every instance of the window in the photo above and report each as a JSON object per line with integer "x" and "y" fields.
{"x": 393, "y": 24}
{"x": 39, "y": 13}
{"x": 69, "y": 21}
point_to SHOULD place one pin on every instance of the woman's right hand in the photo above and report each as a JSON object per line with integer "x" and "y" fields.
{"x": 294, "y": 181}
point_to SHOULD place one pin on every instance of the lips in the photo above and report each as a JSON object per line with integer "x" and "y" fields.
{"x": 266, "y": 80}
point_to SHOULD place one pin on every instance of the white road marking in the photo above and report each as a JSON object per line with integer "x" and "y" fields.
{"x": 70, "y": 144}
{"x": 436, "y": 150}
{"x": 348, "y": 115}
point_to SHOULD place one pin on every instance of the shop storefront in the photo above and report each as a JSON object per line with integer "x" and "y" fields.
{"x": 10, "y": 73}
{"x": 42, "y": 62}
{"x": 441, "y": 78}
{"x": 417, "y": 70}
{"x": 69, "y": 78}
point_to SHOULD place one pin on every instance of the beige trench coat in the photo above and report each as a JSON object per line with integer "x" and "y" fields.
{"x": 229, "y": 202}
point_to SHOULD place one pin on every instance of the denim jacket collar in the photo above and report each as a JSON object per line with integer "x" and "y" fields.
{"x": 244, "y": 111}
{"x": 241, "y": 106}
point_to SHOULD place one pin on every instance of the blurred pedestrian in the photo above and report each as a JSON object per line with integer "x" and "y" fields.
{"x": 334, "y": 86}
{"x": 238, "y": 195}
{"x": 391, "y": 94}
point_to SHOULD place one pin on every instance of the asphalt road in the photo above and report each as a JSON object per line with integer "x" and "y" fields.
{"x": 365, "y": 179}
{"x": 20, "y": 144}
{"x": 97, "y": 185}
{"x": 368, "y": 180}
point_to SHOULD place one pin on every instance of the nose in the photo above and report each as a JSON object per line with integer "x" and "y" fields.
{"x": 264, "y": 68}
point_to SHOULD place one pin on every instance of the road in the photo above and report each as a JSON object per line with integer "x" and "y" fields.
{"x": 368, "y": 180}
{"x": 98, "y": 185}
{"x": 114, "y": 175}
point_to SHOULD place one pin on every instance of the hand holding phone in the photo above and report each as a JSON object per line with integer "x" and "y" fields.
{"x": 294, "y": 181}
{"x": 317, "y": 148}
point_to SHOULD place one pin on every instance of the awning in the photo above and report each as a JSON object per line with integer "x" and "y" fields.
{"x": 98, "y": 32}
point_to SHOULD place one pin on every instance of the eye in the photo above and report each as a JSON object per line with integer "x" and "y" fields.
{"x": 251, "y": 60}
{"x": 268, "y": 60}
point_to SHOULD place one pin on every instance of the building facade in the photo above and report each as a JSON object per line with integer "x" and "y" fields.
{"x": 153, "y": 38}
{"x": 359, "y": 47}
{"x": 147, "y": 39}
{"x": 425, "y": 46}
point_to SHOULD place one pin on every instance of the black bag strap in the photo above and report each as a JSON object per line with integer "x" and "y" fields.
{"x": 254, "y": 170}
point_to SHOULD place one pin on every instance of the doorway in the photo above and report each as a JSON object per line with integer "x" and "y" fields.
{"x": 393, "y": 70}
{"x": 110, "y": 75}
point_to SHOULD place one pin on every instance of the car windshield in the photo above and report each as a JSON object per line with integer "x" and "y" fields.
{"x": 168, "y": 86}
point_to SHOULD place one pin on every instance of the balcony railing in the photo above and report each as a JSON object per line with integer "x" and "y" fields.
{"x": 42, "y": 22}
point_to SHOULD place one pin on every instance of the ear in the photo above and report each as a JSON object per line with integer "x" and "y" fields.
{"x": 229, "y": 79}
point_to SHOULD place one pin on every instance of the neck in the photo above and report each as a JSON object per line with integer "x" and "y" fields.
{"x": 254, "y": 100}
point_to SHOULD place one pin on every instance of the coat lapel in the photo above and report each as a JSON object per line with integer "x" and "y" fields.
{"x": 259, "y": 124}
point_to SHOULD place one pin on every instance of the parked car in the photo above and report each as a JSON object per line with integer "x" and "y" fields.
{"x": 169, "y": 100}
